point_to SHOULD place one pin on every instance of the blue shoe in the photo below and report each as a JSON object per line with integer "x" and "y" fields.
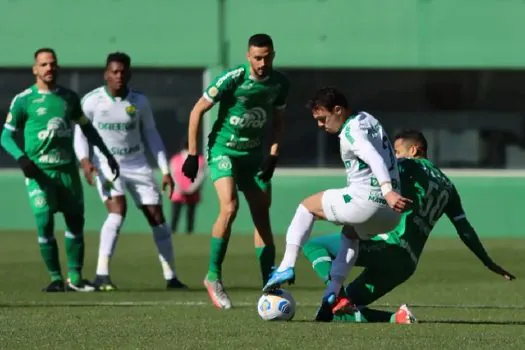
{"x": 277, "y": 278}
{"x": 324, "y": 313}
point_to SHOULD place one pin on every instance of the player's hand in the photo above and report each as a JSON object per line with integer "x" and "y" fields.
{"x": 268, "y": 168}
{"x": 167, "y": 182}
{"x": 29, "y": 168}
{"x": 191, "y": 167}
{"x": 89, "y": 170}
{"x": 113, "y": 165}
{"x": 397, "y": 202}
{"x": 492, "y": 266}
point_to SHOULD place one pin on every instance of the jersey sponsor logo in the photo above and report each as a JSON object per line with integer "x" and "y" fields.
{"x": 243, "y": 143}
{"x": 40, "y": 100}
{"x": 377, "y": 199}
{"x": 117, "y": 126}
{"x": 131, "y": 111}
{"x": 40, "y": 111}
{"x": 247, "y": 85}
{"x": 124, "y": 151}
{"x": 56, "y": 127}
{"x": 253, "y": 118}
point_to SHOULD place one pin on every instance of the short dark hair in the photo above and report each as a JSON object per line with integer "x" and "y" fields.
{"x": 260, "y": 40}
{"x": 119, "y": 57}
{"x": 327, "y": 97}
{"x": 414, "y": 136}
{"x": 45, "y": 50}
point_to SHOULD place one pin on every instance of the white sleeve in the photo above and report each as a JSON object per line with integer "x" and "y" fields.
{"x": 80, "y": 142}
{"x": 363, "y": 148}
{"x": 155, "y": 144}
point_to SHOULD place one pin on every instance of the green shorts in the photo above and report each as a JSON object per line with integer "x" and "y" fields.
{"x": 59, "y": 190}
{"x": 243, "y": 168}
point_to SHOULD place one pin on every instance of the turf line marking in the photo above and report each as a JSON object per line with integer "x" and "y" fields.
{"x": 237, "y": 304}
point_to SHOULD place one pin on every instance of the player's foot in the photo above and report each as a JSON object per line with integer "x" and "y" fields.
{"x": 83, "y": 286}
{"x": 279, "y": 277}
{"x": 404, "y": 315}
{"x": 174, "y": 283}
{"x": 102, "y": 283}
{"x": 325, "y": 313}
{"x": 342, "y": 306}
{"x": 55, "y": 286}
{"x": 217, "y": 294}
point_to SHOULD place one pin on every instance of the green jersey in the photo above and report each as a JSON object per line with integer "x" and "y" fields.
{"x": 246, "y": 104}
{"x": 433, "y": 194}
{"x": 46, "y": 120}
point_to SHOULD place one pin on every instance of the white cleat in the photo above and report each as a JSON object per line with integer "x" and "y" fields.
{"x": 404, "y": 315}
{"x": 84, "y": 286}
{"x": 217, "y": 294}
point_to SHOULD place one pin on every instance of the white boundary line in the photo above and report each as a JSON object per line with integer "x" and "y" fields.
{"x": 244, "y": 304}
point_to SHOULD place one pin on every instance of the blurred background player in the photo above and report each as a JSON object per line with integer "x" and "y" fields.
{"x": 123, "y": 117}
{"x": 367, "y": 206}
{"x": 390, "y": 259}
{"x": 187, "y": 193}
{"x": 44, "y": 113}
{"x": 249, "y": 95}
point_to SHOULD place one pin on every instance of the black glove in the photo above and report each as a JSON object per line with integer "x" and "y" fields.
{"x": 191, "y": 167}
{"x": 29, "y": 168}
{"x": 113, "y": 165}
{"x": 268, "y": 168}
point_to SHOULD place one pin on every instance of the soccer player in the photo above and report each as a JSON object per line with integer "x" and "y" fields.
{"x": 120, "y": 114}
{"x": 249, "y": 95}
{"x": 44, "y": 113}
{"x": 390, "y": 259}
{"x": 367, "y": 206}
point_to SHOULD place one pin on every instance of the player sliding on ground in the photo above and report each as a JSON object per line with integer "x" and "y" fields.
{"x": 249, "y": 95}
{"x": 121, "y": 116}
{"x": 368, "y": 205}
{"x": 45, "y": 113}
{"x": 390, "y": 259}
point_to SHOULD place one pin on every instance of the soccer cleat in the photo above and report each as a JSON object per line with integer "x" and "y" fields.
{"x": 404, "y": 315}
{"x": 102, "y": 283}
{"x": 174, "y": 283}
{"x": 325, "y": 313}
{"x": 217, "y": 294}
{"x": 55, "y": 286}
{"x": 83, "y": 286}
{"x": 342, "y": 306}
{"x": 279, "y": 277}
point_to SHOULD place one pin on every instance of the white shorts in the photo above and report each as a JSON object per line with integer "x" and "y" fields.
{"x": 138, "y": 180}
{"x": 359, "y": 209}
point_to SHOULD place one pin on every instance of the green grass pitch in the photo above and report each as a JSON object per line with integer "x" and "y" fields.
{"x": 458, "y": 302}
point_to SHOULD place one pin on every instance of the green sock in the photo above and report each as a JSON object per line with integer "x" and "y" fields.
{"x": 218, "y": 249}
{"x": 266, "y": 257}
{"x": 75, "y": 256}
{"x": 356, "y": 317}
{"x": 48, "y": 245}
{"x": 320, "y": 259}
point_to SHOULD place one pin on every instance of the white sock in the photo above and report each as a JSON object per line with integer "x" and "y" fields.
{"x": 108, "y": 240}
{"x": 297, "y": 234}
{"x": 162, "y": 238}
{"x": 342, "y": 264}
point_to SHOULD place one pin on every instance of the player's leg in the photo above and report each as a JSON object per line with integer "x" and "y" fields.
{"x": 222, "y": 174}
{"x": 258, "y": 195}
{"x": 42, "y": 201}
{"x": 320, "y": 252}
{"x": 175, "y": 215}
{"x": 190, "y": 217}
{"x": 146, "y": 195}
{"x": 70, "y": 198}
{"x": 113, "y": 196}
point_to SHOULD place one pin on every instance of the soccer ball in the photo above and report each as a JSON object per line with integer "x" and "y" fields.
{"x": 277, "y": 305}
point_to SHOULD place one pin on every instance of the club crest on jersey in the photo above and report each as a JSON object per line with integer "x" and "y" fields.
{"x": 131, "y": 110}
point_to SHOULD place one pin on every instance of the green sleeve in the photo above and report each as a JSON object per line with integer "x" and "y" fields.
{"x": 223, "y": 83}
{"x": 456, "y": 214}
{"x": 282, "y": 98}
{"x": 16, "y": 117}
{"x": 8, "y": 142}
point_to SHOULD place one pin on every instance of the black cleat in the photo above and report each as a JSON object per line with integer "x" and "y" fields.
{"x": 83, "y": 286}
{"x": 103, "y": 284}
{"x": 55, "y": 286}
{"x": 174, "y": 283}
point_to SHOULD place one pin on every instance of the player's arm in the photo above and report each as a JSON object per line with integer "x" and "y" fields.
{"x": 201, "y": 175}
{"x": 456, "y": 214}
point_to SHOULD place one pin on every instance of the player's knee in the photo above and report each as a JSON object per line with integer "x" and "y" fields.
{"x": 114, "y": 222}
{"x": 228, "y": 211}
{"x": 44, "y": 224}
{"x": 75, "y": 223}
{"x": 154, "y": 215}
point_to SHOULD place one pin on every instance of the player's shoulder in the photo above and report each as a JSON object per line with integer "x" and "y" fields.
{"x": 93, "y": 95}
{"x": 139, "y": 98}
{"x": 23, "y": 95}
{"x": 236, "y": 74}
